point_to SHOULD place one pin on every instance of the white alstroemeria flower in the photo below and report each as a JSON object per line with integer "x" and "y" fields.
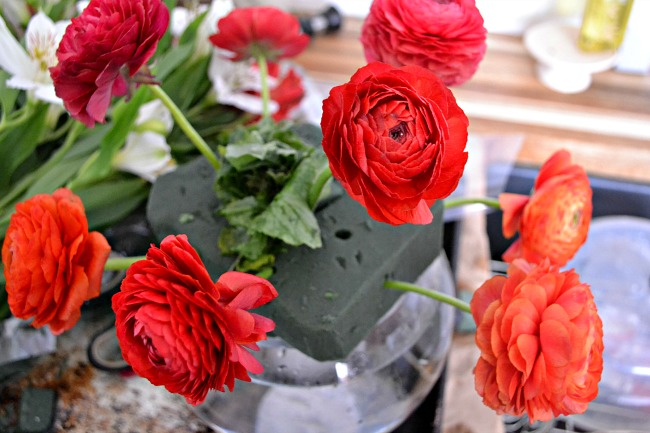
{"x": 29, "y": 68}
{"x": 231, "y": 80}
{"x": 146, "y": 152}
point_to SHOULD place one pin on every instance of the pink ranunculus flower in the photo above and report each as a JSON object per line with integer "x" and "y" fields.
{"x": 444, "y": 36}
{"x": 102, "y": 50}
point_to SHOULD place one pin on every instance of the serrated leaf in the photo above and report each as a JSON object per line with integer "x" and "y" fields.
{"x": 289, "y": 216}
{"x": 240, "y": 212}
{"x": 246, "y": 156}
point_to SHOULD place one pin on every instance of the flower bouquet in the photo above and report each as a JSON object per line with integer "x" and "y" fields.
{"x": 310, "y": 227}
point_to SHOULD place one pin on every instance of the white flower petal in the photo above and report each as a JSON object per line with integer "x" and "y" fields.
{"x": 146, "y": 155}
{"x": 13, "y": 57}
{"x": 155, "y": 110}
{"x": 47, "y": 93}
{"x": 231, "y": 82}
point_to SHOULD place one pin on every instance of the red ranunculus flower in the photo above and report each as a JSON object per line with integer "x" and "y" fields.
{"x": 179, "y": 329}
{"x": 395, "y": 139}
{"x": 52, "y": 264}
{"x": 541, "y": 342}
{"x": 444, "y": 36}
{"x": 554, "y": 221}
{"x": 249, "y": 32}
{"x": 108, "y": 43}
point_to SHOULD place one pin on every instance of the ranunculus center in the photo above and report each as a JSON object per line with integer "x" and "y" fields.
{"x": 154, "y": 356}
{"x": 398, "y": 132}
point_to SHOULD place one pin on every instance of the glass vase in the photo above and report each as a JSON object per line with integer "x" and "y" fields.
{"x": 372, "y": 390}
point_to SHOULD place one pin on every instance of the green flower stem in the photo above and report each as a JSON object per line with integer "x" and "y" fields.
{"x": 264, "y": 78}
{"x": 317, "y": 188}
{"x": 438, "y": 296}
{"x": 28, "y": 180}
{"x": 121, "y": 263}
{"x": 186, "y": 126}
{"x": 455, "y": 202}
{"x": 24, "y": 114}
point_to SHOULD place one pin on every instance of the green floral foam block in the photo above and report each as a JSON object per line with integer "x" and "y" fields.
{"x": 330, "y": 297}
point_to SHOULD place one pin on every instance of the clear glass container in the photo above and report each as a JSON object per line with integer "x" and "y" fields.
{"x": 603, "y": 24}
{"x": 372, "y": 390}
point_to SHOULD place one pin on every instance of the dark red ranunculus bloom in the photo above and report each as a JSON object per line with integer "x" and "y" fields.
{"x": 271, "y": 32}
{"x": 444, "y": 36}
{"x": 554, "y": 221}
{"x": 101, "y": 49}
{"x": 179, "y": 329}
{"x": 52, "y": 263}
{"x": 395, "y": 139}
{"x": 541, "y": 342}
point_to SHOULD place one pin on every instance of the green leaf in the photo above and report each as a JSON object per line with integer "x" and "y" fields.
{"x": 19, "y": 143}
{"x": 8, "y": 95}
{"x": 240, "y": 212}
{"x": 289, "y": 216}
{"x": 124, "y": 117}
{"x": 188, "y": 84}
{"x": 172, "y": 59}
{"x": 246, "y": 156}
{"x": 239, "y": 241}
{"x": 56, "y": 177}
{"x": 109, "y": 202}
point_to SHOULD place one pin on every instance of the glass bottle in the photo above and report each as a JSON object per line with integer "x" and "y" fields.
{"x": 603, "y": 24}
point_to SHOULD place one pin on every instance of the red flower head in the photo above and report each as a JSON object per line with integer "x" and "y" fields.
{"x": 444, "y": 36}
{"x": 395, "y": 139}
{"x": 52, "y": 264}
{"x": 179, "y": 329}
{"x": 101, "y": 49}
{"x": 541, "y": 342}
{"x": 249, "y": 32}
{"x": 554, "y": 221}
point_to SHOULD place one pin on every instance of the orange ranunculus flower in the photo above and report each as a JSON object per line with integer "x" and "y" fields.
{"x": 52, "y": 263}
{"x": 554, "y": 221}
{"x": 541, "y": 342}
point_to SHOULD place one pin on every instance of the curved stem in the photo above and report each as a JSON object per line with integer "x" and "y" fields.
{"x": 455, "y": 202}
{"x": 22, "y": 117}
{"x": 264, "y": 78}
{"x": 186, "y": 126}
{"x": 438, "y": 296}
{"x": 121, "y": 263}
{"x": 317, "y": 188}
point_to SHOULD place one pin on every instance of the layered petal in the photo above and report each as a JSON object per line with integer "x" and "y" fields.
{"x": 541, "y": 342}
{"x": 180, "y": 330}
{"x": 52, "y": 263}
{"x": 446, "y": 37}
{"x": 395, "y": 139}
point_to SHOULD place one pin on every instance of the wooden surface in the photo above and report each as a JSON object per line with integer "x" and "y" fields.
{"x": 607, "y": 127}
